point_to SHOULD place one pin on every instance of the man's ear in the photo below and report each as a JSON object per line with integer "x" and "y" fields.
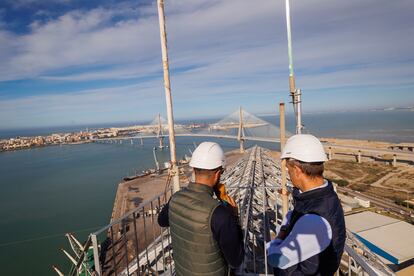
{"x": 299, "y": 168}
{"x": 217, "y": 173}
{"x": 296, "y": 169}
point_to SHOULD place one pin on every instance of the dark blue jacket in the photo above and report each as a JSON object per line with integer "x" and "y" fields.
{"x": 325, "y": 203}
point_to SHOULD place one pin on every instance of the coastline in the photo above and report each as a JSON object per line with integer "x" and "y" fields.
{"x": 44, "y": 146}
{"x": 338, "y": 141}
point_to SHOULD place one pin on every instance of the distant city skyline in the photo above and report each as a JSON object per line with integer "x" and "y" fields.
{"x": 79, "y": 62}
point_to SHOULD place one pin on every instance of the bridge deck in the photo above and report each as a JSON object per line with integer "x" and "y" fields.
{"x": 354, "y": 149}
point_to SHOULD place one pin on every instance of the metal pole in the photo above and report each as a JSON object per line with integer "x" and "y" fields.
{"x": 168, "y": 97}
{"x": 283, "y": 163}
{"x": 96, "y": 254}
{"x": 289, "y": 37}
{"x": 241, "y": 132}
{"x": 294, "y": 93}
{"x": 157, "y": 165}
{"x": 298, "y": 103}
{"x": 160, "y": 134}
{"x": 266, "y": 234}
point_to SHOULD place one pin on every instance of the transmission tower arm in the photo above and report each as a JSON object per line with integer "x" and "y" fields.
{"x": 69, "y": 256}
{"x": 60, "y": 273}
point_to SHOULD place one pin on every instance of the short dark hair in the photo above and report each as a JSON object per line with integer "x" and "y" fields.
{"x": 311, "y": 169}
{"x": 206, "y": 172}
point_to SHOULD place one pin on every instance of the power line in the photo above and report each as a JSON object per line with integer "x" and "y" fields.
{"x": 46, "y": 237}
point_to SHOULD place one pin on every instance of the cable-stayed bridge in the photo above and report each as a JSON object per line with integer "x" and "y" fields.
{"x": 244, "y": 126}
{"x": 239, "y": 125}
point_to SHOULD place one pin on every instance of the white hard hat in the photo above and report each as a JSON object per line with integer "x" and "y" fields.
{"x": 305, "y": 148}
{"x": 208, "y": 155}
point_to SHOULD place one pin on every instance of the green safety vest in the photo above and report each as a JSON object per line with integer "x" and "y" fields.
{"x": 195, "y": 251}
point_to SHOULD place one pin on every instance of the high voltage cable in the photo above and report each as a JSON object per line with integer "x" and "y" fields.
{"x": 47, "y": 237}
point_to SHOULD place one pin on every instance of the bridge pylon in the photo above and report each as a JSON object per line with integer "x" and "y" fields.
{"x": 241, "y": 135}
{"x": 160, "y": 134}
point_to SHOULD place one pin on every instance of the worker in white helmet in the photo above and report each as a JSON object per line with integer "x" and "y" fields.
{"x": 205, "y": 232}
{"x": 312, "y": 236}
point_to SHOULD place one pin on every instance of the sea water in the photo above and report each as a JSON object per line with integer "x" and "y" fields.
{"x": 388, "y": 126}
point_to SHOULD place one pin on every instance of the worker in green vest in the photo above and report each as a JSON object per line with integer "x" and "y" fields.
{"x": 205, "y": 232}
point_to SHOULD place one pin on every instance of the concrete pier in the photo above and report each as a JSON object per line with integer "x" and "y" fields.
{"x": 330, "y": 153}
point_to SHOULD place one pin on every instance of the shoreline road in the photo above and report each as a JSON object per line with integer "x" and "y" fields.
{"x": 384, "y": 203}
{"x": 409, "y": 155}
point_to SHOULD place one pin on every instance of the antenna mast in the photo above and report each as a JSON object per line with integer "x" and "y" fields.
{"x": 295, "y": 93}
{"x": 168, "y": 96}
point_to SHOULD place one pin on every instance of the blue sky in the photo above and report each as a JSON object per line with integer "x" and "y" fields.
{"x": 66, "y": 62}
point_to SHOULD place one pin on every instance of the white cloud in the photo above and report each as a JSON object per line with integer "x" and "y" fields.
{"x": 202, "y": 32}
{"x": 218, "y": 49}
{"x": 78, "y": 39}
{"x": 17, "y": 4}
{"x": 93, "y": 105}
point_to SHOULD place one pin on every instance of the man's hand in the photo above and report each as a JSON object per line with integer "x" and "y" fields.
{"x": 220, "y": 191}
{"x": 285, "y": 192}
{"x": 282, "y": 234}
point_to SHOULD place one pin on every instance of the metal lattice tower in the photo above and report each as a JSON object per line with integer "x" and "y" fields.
{"x": 253, "y": 183}
{"x": 253, "y": 186}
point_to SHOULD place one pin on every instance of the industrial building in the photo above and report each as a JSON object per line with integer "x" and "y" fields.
{"x": 391, "y": 239}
